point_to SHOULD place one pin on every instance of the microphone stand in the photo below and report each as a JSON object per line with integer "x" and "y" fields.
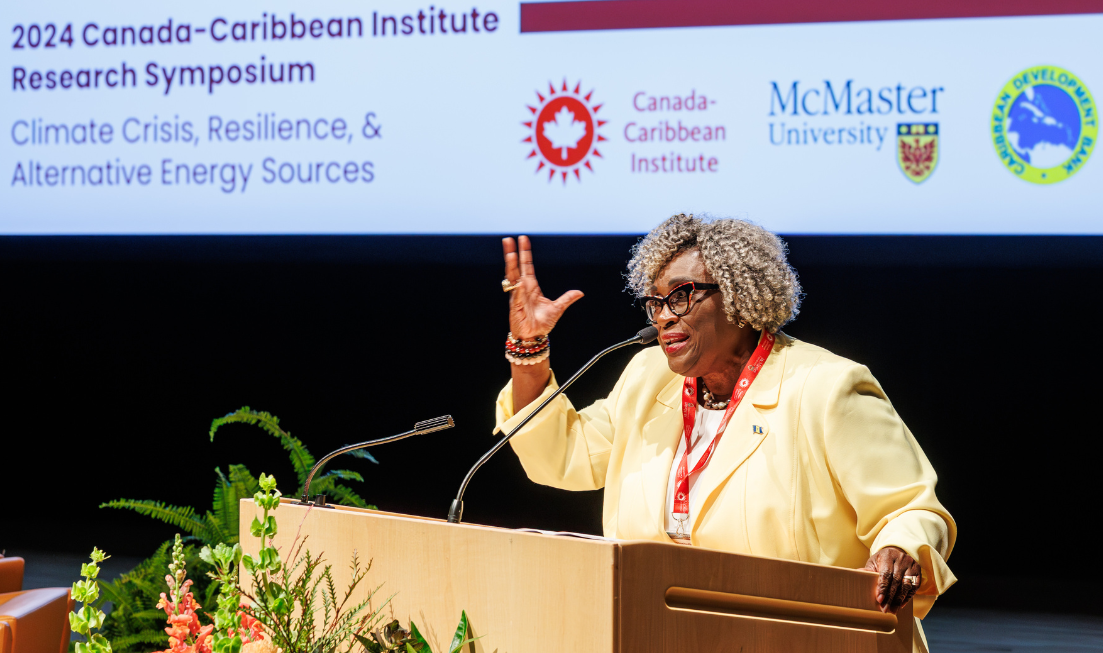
{"x": 455, "y": 512}
{"x": 427, "y": 426}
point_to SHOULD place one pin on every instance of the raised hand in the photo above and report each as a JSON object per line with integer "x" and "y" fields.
{"x": 531, "y": 314}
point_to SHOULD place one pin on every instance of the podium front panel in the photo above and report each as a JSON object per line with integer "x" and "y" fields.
{"x": 523, "y": 592}
{"x": 686, "y": 599}
{"x": 535, "y": 593}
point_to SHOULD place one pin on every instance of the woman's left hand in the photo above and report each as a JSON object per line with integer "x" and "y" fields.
{"x": 893, "y": 565}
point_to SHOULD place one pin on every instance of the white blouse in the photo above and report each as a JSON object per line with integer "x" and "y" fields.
{"x": 704, "y": 432}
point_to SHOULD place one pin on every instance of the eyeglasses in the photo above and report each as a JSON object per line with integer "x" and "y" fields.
{"x": 678, "y": 300}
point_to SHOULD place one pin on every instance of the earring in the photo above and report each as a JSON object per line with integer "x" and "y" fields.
{"x": 742, "y": 323}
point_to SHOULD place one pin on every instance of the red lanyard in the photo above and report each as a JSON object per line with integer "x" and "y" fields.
{"x": 689, "y": 417}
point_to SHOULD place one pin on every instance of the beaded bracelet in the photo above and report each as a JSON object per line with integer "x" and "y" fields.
{"x": 540, "y": 340}
{"x": 543, "y": 355}
{"x": 527, "y": 352}
{"x": 526, "y": 346}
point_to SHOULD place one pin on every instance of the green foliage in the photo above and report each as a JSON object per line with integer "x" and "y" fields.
{"x": 392, "y": 637}
{"x": 460, "y": 639}
{"x": 228, "y": 629}
{"x": 284, "y": 596}
{"x": 208, "y": 528}
{"x": 301, "y": 460}
{"x": 89, "y": 619}
{"x": 185, "y": 631}
{"x": 132, "y": 622}
{"x": 220, "y": 523}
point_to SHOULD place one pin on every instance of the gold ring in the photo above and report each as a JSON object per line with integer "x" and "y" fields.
{"x": 506, "y": 286}
{"x": 911, "y": 580}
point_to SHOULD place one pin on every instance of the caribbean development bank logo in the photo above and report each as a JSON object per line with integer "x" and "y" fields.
{"x": 1044, "y": 124}
{"x": 564, "y": 131}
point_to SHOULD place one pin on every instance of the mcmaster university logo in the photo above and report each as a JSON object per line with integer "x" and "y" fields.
{"x": 917, "y": 149}
{"x": 563, "y": 131}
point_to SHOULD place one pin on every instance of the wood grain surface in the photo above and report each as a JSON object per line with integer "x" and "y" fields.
{"x": 534, "y": 593}
{"x": 648, "y": 570}
{"x": 523, "y": 592}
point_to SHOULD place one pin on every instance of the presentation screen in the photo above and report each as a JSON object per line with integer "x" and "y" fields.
{"x": 330, "y": 116}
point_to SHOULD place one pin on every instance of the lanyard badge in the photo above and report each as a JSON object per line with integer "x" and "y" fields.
{"x": 689, "y": 418}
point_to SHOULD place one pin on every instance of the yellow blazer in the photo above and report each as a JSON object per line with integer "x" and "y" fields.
{"x": 830, "y": 475}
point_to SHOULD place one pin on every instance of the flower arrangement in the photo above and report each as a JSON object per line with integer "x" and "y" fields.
{"x": 185, "y": 633}
{"x": 233, "y": 627}
{"x": 284, "y": 594}
{"x": 276, "y": 614}
{"x": 132, "y": 625}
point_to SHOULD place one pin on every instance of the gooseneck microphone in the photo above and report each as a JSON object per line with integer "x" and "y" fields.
{"x": 427, "y": 426}
{"x": 645, "y": 336}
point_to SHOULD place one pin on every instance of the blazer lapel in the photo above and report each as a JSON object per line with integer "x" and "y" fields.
{"x": 767, "y": 386}
{"x": 661, "y": 438}
{"x": 746, "y": 430}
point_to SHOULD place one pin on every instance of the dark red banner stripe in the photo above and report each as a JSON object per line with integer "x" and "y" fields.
{"x": 642, "y": 14}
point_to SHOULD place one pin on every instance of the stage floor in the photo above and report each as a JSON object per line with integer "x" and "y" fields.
{"x": 949, "y": 630}
{"x": 954, "y": 630}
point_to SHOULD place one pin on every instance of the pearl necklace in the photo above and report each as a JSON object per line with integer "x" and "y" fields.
{"x": 707, "y": 400}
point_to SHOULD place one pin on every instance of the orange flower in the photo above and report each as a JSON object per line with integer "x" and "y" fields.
{"x": 254, "y": 629}
{"x": 178, "y": 629}
{"x": 201, "y": 641}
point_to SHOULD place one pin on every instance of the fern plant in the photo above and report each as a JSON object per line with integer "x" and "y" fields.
{"x": 133, "y": 621}
{"x": 301, "y": 459}
{"x": 219, "y": 524}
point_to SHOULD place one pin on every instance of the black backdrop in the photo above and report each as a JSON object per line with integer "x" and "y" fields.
{"x": 118, "y": 352}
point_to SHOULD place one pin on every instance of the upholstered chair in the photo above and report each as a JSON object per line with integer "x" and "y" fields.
{"x": 31, "y": 621}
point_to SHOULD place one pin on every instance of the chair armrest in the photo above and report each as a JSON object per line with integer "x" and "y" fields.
{"x": 36, "y": 619}
{"x": 11, "y": 575}
{"x": 5, "y": 637}
{"x": 66, "y": 633}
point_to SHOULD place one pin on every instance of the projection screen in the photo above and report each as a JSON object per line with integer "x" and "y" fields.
{"x": 580, "y": 117}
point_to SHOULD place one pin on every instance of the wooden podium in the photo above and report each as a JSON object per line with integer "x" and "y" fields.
{"x": 533, "y": 593}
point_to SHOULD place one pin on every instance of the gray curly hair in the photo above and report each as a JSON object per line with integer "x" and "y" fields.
{"x": 748, "y": 262}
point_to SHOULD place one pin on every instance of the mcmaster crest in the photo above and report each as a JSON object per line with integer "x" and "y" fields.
{"x": 917, "y": 150}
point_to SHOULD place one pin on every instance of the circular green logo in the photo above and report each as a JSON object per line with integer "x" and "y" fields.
{"x": 1044, "y": 124}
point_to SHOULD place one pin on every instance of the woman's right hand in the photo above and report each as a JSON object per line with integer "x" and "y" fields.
{"x": 531, "y": 314}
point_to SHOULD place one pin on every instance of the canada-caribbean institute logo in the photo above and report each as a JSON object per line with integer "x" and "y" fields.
{"x": 564, "y": 131}
{"x": 917, "y": 149}
{"x": 1044, "y": 124}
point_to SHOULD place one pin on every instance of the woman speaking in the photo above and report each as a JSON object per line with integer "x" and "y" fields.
{"x": 730, "y": 434}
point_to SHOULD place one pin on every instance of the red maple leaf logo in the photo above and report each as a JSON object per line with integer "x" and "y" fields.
{"x": 563, "y": 132}
{"x": 917, "y": 159}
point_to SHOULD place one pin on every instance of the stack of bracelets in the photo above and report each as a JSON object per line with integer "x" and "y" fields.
{"x": 527, "y": 352}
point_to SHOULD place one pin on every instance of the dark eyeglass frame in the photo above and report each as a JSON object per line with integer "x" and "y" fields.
{"x": 693, "y": 286}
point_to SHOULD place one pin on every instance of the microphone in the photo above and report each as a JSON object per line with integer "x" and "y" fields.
{"x": 645, "y": 336}
{"x": 426, "y": 426}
